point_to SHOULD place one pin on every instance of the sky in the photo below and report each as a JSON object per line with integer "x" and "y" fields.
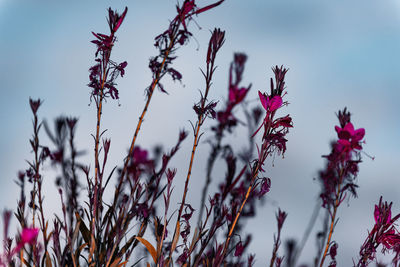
{"x": 339, "y": 54}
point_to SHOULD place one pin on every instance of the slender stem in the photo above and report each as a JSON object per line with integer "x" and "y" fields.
{"x": 210, "y": 165}
{"x": 142, "y": 227}
{"x": 306, "y": 234}
{"x": 276, "y": 247}
{"x": 332, "y": 225}
{"x": 255, "y": 173}
{"x": 141, "y": 118}
{"x": 96, "y": 149}
{"x": 97, "y": 186}
{"x": 200, "y": 121}
{"x": 38, "y": 183}
{"x": 195, "y": 143}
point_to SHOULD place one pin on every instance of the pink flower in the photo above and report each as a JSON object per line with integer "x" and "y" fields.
{"x": 284, "y": 122}
{"x": 140, "y": 156}
{"x": 28, "y": 236}
{"x": 270, "y": 104}
{"x": 349, "y": 139}
{"x": 389, "y": 239}
{"x": 236, "y": 95}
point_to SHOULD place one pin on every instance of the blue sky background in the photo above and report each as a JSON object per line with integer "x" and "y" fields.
{"x": 340, "y": 53}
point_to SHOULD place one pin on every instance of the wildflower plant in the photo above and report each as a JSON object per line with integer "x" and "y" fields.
{"x": 92, "y": 230}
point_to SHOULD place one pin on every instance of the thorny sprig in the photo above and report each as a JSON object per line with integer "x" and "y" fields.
{"x": 280, "y": 218}
{"x": 40, "y": 155}
{"x": 225, "y": 118}
{"x": 341, "y": 170}
{"x": 102, "y": 81}
{"x": 105, "y": 71}
{"x": 203, "y": 109}
{"x": 167, "y": 43}
{"x": 273, "y": 140}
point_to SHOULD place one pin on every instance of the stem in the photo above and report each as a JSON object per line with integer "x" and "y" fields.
{"x": 335, "y": 207}
{"x": 97, "y": 186}
{"x": 306, "y": 234}
{"x": 255, "y": 173}
{"x": 38, "y": 182}
{"x": 276, "y": 247}
{"x": 200, "y": 121}
{"x": 141, "y": 118}
{"x": 210, "y": 165}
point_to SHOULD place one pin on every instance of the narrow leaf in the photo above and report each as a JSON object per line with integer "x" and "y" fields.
{"x": 149, "y": 247}
{"x": 176, "y": 238}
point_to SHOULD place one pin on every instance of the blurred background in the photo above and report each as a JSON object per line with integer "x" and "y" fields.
{"x": 340, "y": 53}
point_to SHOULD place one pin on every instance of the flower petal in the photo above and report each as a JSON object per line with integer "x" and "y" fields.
{"x": 264, "y": 100}
{"x": 358, "y": 134}
{"x": 275, "y": 103}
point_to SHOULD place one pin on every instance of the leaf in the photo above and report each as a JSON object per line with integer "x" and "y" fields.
{"x": 195, "y": 238}
{"x": 48, "y": 260}
{"x": 76, "y": 231}
{"x": 149, "y": 247}
{"x": 200, "y": 10}
{"x": 176, "y": 237}
{"x": 116, "y": 263}
{"x": 127, "y": 245}
{"x": 83, "y": 229}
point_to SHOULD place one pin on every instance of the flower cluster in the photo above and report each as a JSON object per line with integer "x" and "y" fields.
{"x": 384, "y": 233}
{"x": 275, "y": 130}
{"x": 236, "y": 94}
{"x": 338, "y": 178}
{"x": 168, "y": 42}
{"x": 342, "y": 163}
{"x": 103, "y": 74}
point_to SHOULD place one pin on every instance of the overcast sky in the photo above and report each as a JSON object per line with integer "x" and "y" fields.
{"x": 340, "y": 53}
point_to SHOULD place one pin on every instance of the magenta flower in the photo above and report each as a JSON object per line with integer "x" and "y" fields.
{"x": 270, "y": 104}
{"x": 382, "y": 213}
{"x": 236, "y": 95}
{"x": 239, "y": 249}
{"x": 29, "y": 235}
{"x": 140, "y": 156}
{"x": 349, "y": 139}
{"x": 384, "y": 232}
{"x": 389, "y": 239}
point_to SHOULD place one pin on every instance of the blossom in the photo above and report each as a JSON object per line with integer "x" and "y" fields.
{"x": 239, "y": 249}
{"x": 140, "y": 156}
{"x": 103, "y": 73}
{"x": 384, "y": 232}
{"x": 236, "y": 95}
{"x": 270, "y": 104}
{"x": 35, "y": 104}
{"x": 349, "y": 139}
{"x": 29, "y": 235}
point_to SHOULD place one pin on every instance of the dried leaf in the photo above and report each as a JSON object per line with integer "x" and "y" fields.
{"x": 116, "y": 263}
{"x": 48, "y": 260}
{"x": 176, "y": 237}
{"x": 76, "y": 231}
{"x": 149, "y": 247}
{"x": 83, "y": 229}
{"x": 195, "y": 238}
